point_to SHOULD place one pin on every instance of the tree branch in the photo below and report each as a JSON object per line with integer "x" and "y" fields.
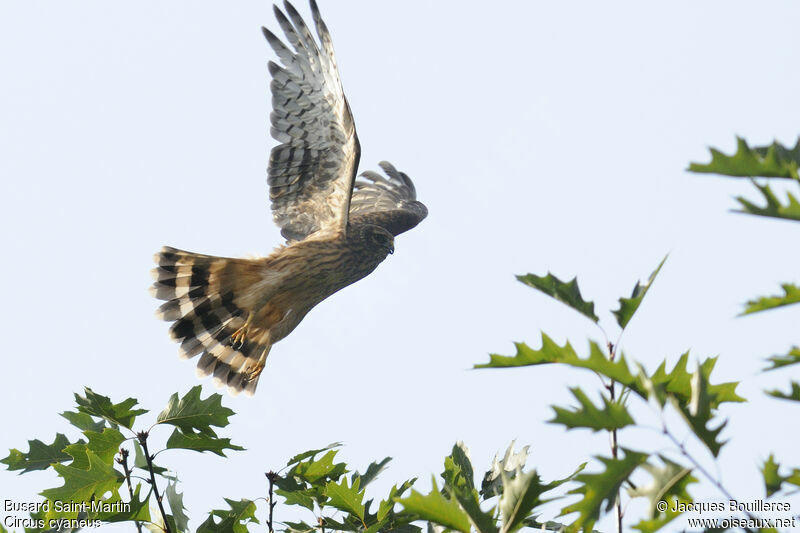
{"x": 142, "y": 436}
{"x": 271, "y": 477}
{"x": 611, "y": 388}
{"x": 123, "y": 460}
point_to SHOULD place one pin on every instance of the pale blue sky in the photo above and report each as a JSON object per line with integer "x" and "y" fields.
{"x": 541, "y": 135}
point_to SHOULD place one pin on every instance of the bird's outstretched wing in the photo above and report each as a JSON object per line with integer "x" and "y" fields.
{"x": 311, "y": 172}
{"x": 388, "y": 202}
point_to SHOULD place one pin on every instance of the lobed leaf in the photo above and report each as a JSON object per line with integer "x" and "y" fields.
{"x": 773, "y": 480}
{"x": 101, "y": 406}
{"x": 780, "y": 361}
{"x": 460, "y": 485}
{"x": 304, "y": 497}
{"x": 140, "y": 462}
{"x": 386, "y": 507}
{"x": 668, "y": 483}
{"x": 83, "y": 421}
{"x": 347, "y": 498}
{"x": 699, "y": 412}
{"x": 678, "y": 383}
{"x": 139, "y": 510}
{"x": 311, "y": 453}
{"x": 793, "y": 394}
{"x": 438, "y": 509}
{"x": 84, "y": 484}
{"x": 773, "y": 207}
{"x": 612, "y": 416}
{"x": 565, "y": 292}
{"x": 371, "y": 473}
{"x": 628, "y": 306}
{"x": 39, "y": 456}
{"x": 791, "y": 295}
{"x": 235, "y": 520}
{"x": 553, "y": 353}
{"x": 768, "y": 161}
{"x": 192, "y": 414}
{"x": 106, "y": 444}
{"x": 521, "y": 494}
{"x": 175, "y": 501}
{"x": 321, "y": 469}
{"x": 200, "y": 442}
{"x": 602, "y": 487}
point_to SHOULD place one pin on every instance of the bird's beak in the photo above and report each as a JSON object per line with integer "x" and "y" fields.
{"x": 390, "y": 248}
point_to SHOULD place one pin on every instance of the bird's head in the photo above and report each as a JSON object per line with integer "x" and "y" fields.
{"x": 377, "y": 238}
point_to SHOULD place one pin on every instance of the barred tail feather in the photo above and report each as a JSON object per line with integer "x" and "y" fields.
{"x": 206, "y": 299}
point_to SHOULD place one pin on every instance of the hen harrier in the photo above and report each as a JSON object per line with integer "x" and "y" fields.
{"x": 337, "y": 229}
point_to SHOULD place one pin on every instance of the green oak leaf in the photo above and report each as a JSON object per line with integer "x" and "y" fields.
{"x": 311, "y": 453}
{"x": 461, "y": 459}
{"x": 94, "y": 404}
{"x": 371, "y": 473}
{"x": 345, "y": 497}
{"x": 140, "y": 462}
{"x": 565, "y": 292}
{"x": 200, "y": 442}
{"x": 302, "y": 497}
{"x": 773, "y": 206}
{"x": 678, "y": 383}
{"x": 779, "y": 361}
{"x": 460, "y": 485}
{"x": 521, "y": 494}
{"x": 234, "y": 520}
{"x": 768, "y": 161}
{"x": 628, "y": 306}
{"x": 436, "y": 508}
{"x": 84, "y": 485}
{"x": 791, "y": 295}
{"x": 699, "y": 412}
{"x": 386, "y": 507}
{"x": 191, "y": 413}
{"x": 299, "y": 527}
{"x": 83, "y": 421}
{"x": 318, "y": 469}
{"x": 39, "y": 456}
{"x": 139, "y": 510}
{"x": 613, "y": 415}
{"x": 175, "y": 501}
{"x": 601, "y": 487}
{"x": 793, "y": 394}
{"x": 106, "y": 444}
{"x": 668, "y": 483}
{"x": 553, "y": 353}
{"x": 773, "y": 480}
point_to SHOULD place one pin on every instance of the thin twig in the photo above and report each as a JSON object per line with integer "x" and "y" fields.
{"x": 700, "y": 468}
{"x": 271, "y": 477}
{"x": 611, "y": 388}
{"x": 142, "y": 436}
{"x": 123, "y": 460}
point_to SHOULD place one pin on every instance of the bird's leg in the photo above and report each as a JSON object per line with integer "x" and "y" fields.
{"x": 239, "y": 336}
{"x": 255, "y": 370}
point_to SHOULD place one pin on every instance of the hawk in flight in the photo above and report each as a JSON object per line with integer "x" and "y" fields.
{"x": 338, "y": 228}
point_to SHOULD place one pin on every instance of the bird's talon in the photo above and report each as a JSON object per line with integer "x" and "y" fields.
{"x": 240, "y": 335}
{"x": 254, "y": 372}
